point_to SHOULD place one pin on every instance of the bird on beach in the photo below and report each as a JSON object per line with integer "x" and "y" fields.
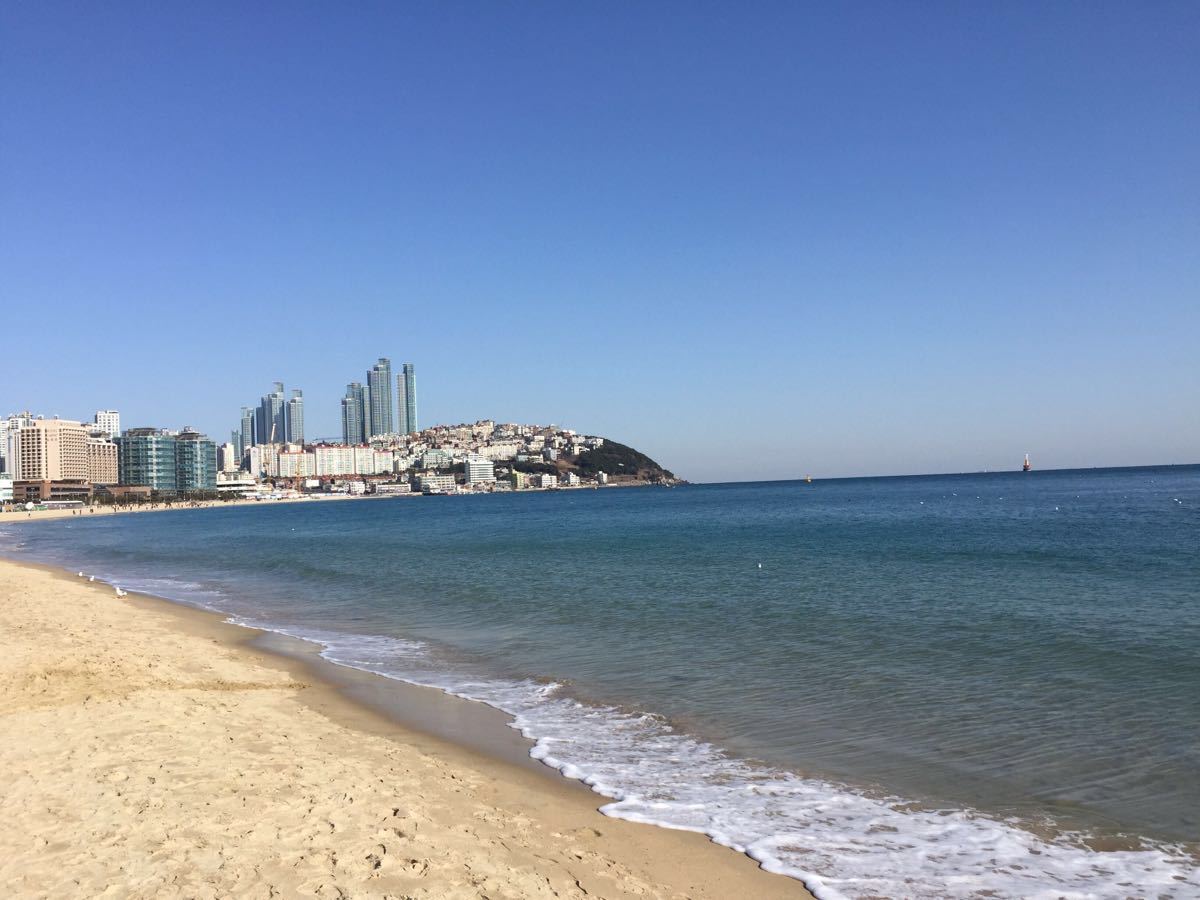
{"x": 80, "y": 574}
{"x": 92, "y": 578}
{"x": 120, "y": 593}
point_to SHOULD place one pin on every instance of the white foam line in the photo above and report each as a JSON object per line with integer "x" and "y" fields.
{"x": 840, "y": 842}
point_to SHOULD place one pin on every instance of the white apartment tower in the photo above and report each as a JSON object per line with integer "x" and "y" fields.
{"x": 109, "y": 421}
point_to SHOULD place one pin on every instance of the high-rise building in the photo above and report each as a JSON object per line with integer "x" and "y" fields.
{"x": 102, "y": 458}
{"x": 379, "y": 382}
{"x": 52, "y": 450}
{"x": 246, "y": 430}
{"x": 270, "y": 426}
{"x": 195, "y": 462}
{"x": 295, "y": 418}
{"x": 9, "y": 448}
{"x": 406, "y": 391}
{"x": 108, "y": 421}
{"x": 146, "y": 457}
{"x": 169, "y": 463}
{"x": 356, "y": 409}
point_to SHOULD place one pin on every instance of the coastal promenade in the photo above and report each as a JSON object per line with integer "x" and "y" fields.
{"x": 152, "y": 750}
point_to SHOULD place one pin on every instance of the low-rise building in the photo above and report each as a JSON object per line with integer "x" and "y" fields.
{"x": 46, "y": 491}
{"x": 433, "y": 482}
{"x": 236, "y": 483}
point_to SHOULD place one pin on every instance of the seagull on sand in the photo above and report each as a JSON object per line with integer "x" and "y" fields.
{"x": 120, "y": 593}
{"x": 80, "y": 574}
{"x": 92, "y": 578}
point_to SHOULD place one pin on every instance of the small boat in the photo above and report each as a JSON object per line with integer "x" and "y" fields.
{"x": 1027, "y": 465}
{"x": 808, "y": 479}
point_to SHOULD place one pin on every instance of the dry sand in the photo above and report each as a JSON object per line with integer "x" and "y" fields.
{"x": 150, "y": 750}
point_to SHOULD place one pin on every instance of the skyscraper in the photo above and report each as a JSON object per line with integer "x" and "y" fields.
{"x": 406, "y": 391}
{"x": 295, "y": 418}
{"x": 379, "y": 381}
{"x": 270, "y": 425}
{"x": 355, "y": 412}
{"x": 247, "y": 429}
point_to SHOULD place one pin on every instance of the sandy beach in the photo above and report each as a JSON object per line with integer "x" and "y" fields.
{"x": 15, "y": 514}
{"x": 152, "y": 750}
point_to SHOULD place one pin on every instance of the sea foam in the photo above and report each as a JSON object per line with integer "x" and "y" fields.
{"x": 840, "y": 841}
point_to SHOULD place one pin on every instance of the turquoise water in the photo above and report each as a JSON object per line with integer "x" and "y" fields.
{"x": 931, "y": 686}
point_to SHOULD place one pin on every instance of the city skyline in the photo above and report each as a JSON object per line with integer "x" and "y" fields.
{"x": 809, "y": 249}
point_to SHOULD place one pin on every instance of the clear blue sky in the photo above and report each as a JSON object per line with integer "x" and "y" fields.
{"x": 754, "y": 240}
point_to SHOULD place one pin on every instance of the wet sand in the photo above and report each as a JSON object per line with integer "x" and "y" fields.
{"x": 149, "y": 750}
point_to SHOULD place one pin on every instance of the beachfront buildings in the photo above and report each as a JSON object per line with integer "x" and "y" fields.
{"x": 102, "y": 458}
{"x": 379, "y": 384}
{"x": 195, "y": 462}
{"x": 165, "y": 462}
{"x": 52, "y": 450}
{"x": 108, "y": 421}
{"x": 479, "y": 470}
{"x": 57, "y": 459}
{"x": 9, "y": 450}
{"x": 406, "y": 390}
{"x": 146, "y": 457}
{"x": 432, "y": 482}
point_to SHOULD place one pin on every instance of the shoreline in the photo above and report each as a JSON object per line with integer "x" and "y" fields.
{"x": 454, "y": 742}
{"x": 15, "y": 516}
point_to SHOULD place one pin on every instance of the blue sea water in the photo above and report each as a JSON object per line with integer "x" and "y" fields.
{"x": 939, "y": 686}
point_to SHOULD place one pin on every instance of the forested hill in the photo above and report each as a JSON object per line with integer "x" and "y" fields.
{"x": 618, "y": 460}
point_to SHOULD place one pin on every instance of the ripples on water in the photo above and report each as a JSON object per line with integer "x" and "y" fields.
{"x": 919, "y": 666}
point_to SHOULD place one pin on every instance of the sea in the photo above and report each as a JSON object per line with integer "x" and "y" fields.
{"x": 960, "y": 686}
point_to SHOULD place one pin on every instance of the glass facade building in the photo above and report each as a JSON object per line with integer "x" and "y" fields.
{"x": 195, "y": 463}
{"x": 295, "y": 418}
{"x": 379, "y": 383}
{"x": 356, "y": 407}
{"x": 247, "y": 429}
{"x": 146, "y": 456}
{"x": 406, "y": 388}
{"x": 167, "y": 463}
{"x": 270, "y": 425}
